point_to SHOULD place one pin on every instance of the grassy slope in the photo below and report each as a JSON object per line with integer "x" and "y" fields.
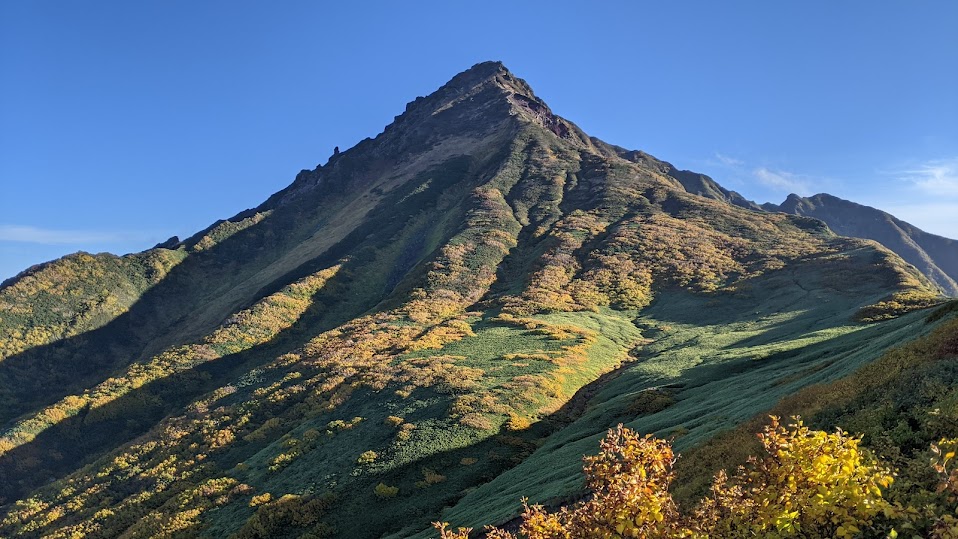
{"x": 902, "y": 401}
{"x": 715, "y": 362}
{"x": 935, "y": 256}
{"x": 75, "y": 294}
{"x": 436, "y": 444}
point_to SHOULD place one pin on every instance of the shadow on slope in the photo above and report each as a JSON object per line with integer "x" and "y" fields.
{"x": 378, "y": 254}
{"x": 710, "y": 367}
{"x": 210, "y": 285}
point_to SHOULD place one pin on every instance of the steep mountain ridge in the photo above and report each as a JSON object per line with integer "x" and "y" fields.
{"x": 693, "y": 182}
{"x": 935, "y": 256}
{"x": 405, "y": 323}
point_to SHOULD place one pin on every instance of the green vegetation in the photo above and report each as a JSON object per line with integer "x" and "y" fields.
{"x": 75, "y": 294}
{"x": 222, "y": 230}
{"x": 436, "y": 323}
{"x": 713, "y": 363}
{"x": 806, "y": 484}
{"x": 246, "y": 329}
{"x": 901, "y": 403}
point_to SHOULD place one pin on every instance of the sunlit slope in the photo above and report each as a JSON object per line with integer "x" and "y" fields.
{"x": 351, "y": 206}
{"x": 714, "y": 361}
{"x": 75, "y": 294}
{"x": 933, "y": 255}
{"x": 481, "y": 286}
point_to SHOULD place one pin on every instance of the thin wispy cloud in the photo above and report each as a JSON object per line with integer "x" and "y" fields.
{"x": 780, "y": 179}
{"x": 937, "y": 177}
{"x": 46, "y": 236}
{"x": 728, "y": 161}
{"x": 769, "y": 178}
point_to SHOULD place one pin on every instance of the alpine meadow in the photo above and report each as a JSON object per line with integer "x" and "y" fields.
{"x": 427, "y": 334}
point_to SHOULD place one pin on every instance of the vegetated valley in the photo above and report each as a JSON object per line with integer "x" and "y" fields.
{"x": 444, "y": 319}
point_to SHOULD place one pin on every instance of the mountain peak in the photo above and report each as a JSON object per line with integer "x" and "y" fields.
{"x": 478, "y": 73}
{"x": 479, "y": 105}
{"x": 482, "y": 76}
{"x": 476, "y": 268}
{"x": 489, "y": 72}
{"x": 487, "y": 93}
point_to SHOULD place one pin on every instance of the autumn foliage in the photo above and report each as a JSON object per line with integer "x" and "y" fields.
{"x": 808, "y": 483}
{"x": 420, "y": 302}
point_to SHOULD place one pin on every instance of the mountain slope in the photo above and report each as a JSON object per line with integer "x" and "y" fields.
{"x": 480, "y": 284}
{"x": 935, "y": 256}
{"x": 60, "y": 299}
{"x": 692, "y": 182}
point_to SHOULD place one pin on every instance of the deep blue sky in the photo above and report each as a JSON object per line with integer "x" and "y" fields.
{"x": 123, "y": 123}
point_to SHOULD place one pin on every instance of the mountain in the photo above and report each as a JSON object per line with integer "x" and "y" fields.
{"x": 432, "y": 324}
{"x": 934, "y": 256}
{"x": 692, "y": 182}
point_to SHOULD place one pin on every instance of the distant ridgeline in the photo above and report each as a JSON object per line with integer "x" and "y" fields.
{"x": 936, "y": 257}
{"x": 444, "y": 319}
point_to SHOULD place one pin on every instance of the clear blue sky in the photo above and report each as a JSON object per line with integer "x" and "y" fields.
{"x": 124, "y": 123}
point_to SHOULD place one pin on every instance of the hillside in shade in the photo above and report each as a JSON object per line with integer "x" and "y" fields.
{"x": 431, "y": 325}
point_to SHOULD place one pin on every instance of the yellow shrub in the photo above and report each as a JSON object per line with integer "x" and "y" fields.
{"x": 810, "y": 484}
{"x": 260, "y": 499}
{"x": 517, "y": 422}
{"x": 383, "y": 490}
{"x": 367, "y": 458}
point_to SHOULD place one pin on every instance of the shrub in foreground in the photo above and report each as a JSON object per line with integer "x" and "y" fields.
{"x": 810, "y": 484}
